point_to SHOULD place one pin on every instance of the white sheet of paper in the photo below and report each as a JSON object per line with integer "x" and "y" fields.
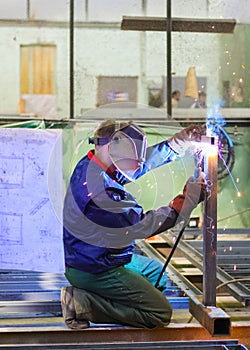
{"x": 31, "y": 200}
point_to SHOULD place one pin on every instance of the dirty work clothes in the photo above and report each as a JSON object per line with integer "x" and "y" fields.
{"x": 119, "y": 296}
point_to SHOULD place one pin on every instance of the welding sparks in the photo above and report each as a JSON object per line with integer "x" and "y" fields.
{"x": 212, "y": 146}
{"x": 231, "y": 176}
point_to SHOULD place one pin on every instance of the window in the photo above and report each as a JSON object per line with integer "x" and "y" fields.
{"x": 116, "y": 89}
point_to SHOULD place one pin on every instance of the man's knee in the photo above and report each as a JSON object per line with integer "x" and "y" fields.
{"x": 161, "y": 319}
{"x": 162, "y": 314}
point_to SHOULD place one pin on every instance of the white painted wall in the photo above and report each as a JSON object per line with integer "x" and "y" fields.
{"x": 11, "y": 40}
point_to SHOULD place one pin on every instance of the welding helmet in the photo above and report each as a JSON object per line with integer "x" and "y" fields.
{"x": 127, "y": 149}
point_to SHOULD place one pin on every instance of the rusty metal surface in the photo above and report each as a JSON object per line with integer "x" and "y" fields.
{"x": 215, "y": 320}
{"x": 210, "y": 230}
{"x": 64, "y": 335}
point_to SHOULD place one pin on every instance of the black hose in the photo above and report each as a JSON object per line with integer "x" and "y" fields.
{"x": 171, "y": 254}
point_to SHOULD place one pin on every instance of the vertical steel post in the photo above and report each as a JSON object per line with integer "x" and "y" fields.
{"x": 71, "y": 60}
{"x": 210, "y": 229}
{"x": 28, "y": 10}
{"x": 169, "y": 59}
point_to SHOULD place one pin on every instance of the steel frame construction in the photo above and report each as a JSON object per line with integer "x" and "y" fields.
{"x": 237, "y": 290}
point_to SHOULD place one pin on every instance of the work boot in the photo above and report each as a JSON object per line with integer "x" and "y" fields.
{"x": 68, "y": 310}
{"x": 82, "y": 303}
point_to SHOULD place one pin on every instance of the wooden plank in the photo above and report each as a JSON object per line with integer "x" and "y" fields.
{"x": 24, "y": 70}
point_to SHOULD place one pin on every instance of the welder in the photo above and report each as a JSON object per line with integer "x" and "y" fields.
{"x": 110, "y": 283}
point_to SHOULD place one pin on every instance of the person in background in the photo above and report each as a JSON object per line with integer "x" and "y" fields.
{"x": 109, "y": 282}
{"x": 176, "y": 95}
{"x": 201, "y": 102}
{"x": 175, "y": 98}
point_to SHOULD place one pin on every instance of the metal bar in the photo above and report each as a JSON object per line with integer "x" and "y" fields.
{"x": 215, "y": 320}
{"x": 87, "y": 10}
{"x": 103, "y": 334}
{"x": 10, "y": 296}
{"x": 169, "y": 59}
{"x": 138, "y": 116}
{"x": 31, "y": 286}
{"x": 178, "y": 24}
{"x": 71, "y": 60}
{"x": 28, "y": 9}
{"x": 236, "y": 259}
{"x": 157, "y": 345}
{"x": 229, "y": 245}
{"x": 175, "y": 276}
{"x": 239, "y": 291}
{"x": 14, "y": 307}
{"x": 210, "y": 230}
{"x": 30, "y": 307}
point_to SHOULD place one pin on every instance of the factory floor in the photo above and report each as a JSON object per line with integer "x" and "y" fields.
{"x": 48, "y": 331}
{"x": 42, "y": 331}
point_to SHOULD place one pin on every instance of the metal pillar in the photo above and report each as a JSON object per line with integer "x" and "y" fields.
{"x": 71, "y": 60}
{"x": 210, "y": 230}
{"x": 215, "y": 320}
{"x": 169, "y": 59}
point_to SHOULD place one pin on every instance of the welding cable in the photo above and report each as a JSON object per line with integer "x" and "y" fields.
{"x": 232, "y": 215}
{"x": 171, "y": 254}
{"x": 232, "y": 281}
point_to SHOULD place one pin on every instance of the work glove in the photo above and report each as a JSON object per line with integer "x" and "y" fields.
{"x": 194, "y": 192}
{"x": 186, "y": 138}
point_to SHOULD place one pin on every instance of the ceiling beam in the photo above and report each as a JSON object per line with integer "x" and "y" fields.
{"x": 178, "y": 24}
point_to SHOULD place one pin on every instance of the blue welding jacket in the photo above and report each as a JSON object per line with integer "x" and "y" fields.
{"x": 101, "y": 219}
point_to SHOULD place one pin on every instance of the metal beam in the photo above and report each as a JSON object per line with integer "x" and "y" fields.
{"x": 190, "y": 345}
{"x": 168, "y": 30}
{"x": 186, "y": 286}
{"x": 210, "y": 227}
{"x": 239, "y": 291}
{"x": 215, "y": 320}
{"x": 178, "y": 24}
{"x": 71, "y": 60}
{"x": 56, "y": 335}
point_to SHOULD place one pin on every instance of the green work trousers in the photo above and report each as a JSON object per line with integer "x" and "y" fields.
{"x": 121, "y": 296}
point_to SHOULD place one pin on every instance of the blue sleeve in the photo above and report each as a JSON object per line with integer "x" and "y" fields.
{"x": 119, "y": 225}
{"x": 157, "y": 155}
